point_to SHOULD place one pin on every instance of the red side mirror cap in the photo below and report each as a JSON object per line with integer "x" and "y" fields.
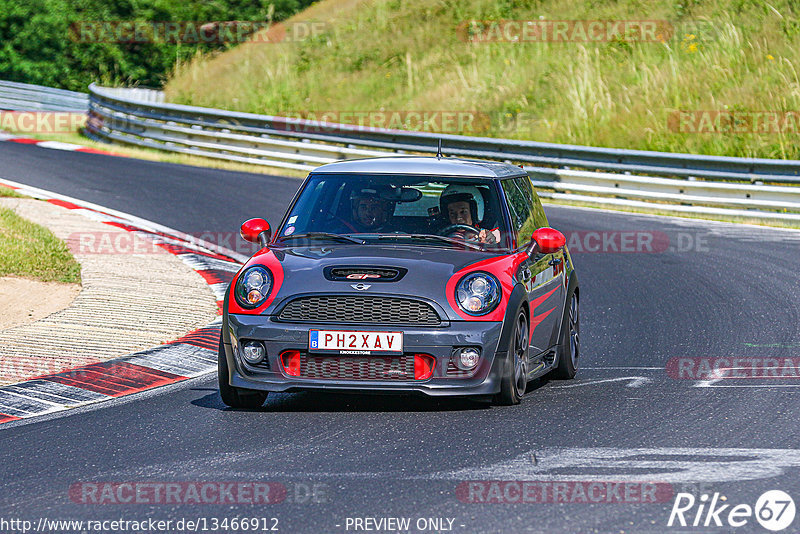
{"x": 256, "y": 231}
{"x": 549, "y": 240}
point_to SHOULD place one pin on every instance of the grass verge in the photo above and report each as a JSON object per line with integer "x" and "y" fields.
{"x": 714, "y": 56}
{"x": 9, "y": 193}
{"x": 32, "y": 251}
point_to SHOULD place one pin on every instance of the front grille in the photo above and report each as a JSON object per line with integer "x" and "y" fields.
{"x": 393, "y": 368}
{"x": 360, "y": 310}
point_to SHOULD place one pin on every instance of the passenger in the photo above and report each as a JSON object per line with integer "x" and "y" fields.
{"x": 463, "y": 204}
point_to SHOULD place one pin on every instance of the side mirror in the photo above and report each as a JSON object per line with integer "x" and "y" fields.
{"x": 256, "y": 231}
{"x": 548, "y": 240}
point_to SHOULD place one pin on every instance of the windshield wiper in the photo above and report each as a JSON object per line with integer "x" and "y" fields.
{"x": 322, "y": 235}
{"x": 434, "y": 237}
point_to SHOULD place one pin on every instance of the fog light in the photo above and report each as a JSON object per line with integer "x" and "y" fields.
{"x": 468, "y": 358}
{"x": 253, "y": 352}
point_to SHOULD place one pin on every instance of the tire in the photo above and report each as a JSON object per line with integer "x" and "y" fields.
{"x": 232, "y": 396}
{"x": 515, "y": 369}
{"x": 569, "y": 346}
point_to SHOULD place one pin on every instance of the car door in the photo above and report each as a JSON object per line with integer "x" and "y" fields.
{"x": 542, "y": 274}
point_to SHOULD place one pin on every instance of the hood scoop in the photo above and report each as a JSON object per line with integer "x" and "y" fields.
{"x": 350, "y": 273}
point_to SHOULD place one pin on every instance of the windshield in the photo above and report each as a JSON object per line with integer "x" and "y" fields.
{"x": 428, "y": 211}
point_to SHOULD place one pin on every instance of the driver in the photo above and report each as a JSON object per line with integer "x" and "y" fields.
{"x": 463, "y": 204}
{"x": 371, "y": 209}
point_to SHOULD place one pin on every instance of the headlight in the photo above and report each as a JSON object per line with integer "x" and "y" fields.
{"x": 253, "y": 287}
{"x": 478, "y": 293}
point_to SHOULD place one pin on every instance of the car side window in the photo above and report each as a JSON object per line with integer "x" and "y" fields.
{"x": 520, "y": 207}
{"x": 538, "y": 210}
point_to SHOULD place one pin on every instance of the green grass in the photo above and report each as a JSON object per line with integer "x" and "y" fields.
{"x": 8, "y": 192}
{"x": 32, "y": 251}
{"x": 394, "y": 55}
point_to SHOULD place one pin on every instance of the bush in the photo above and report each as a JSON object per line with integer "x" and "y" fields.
{"x": 40, "y": 43}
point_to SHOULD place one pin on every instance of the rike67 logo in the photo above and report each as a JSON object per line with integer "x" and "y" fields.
{"x": 774, "y": 510}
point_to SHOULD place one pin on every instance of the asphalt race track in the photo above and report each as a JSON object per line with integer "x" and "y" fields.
{"x": 716, "y": 290}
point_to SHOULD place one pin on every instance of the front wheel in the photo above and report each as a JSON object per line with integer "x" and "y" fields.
{"x": 231, "y": 396}
{"x": 569, "y": 347}
{"x": 515, "y": 373}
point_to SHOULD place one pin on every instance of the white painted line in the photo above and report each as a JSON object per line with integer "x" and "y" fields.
{"x": 180, "y": 359}
{"x": 219, "y": 290}
{"x": 636, "y": 382}
{"x": 41, "y": 389}
{"x": 56, "y": 389}
{"x": 58, "y": 145}
{"x": 13, "y": 392}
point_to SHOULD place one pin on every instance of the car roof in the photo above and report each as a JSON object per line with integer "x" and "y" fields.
{"x": 423, "y": 166}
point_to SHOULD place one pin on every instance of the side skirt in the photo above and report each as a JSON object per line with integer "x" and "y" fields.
{"x": 541, "y": 364}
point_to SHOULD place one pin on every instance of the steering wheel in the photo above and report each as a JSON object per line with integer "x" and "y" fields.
{"x": 453, "y": 228}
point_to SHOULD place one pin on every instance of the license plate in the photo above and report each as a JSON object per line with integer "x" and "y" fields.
{"x": 355, "y": 342}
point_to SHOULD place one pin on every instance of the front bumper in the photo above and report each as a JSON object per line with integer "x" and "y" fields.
{"x": 435, "y": 341}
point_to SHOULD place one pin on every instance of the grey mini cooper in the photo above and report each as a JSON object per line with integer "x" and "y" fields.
{"x": 403, "y": 275}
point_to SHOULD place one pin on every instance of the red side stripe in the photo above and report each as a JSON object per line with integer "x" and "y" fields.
{"x": 536, "y": 319}
{"x": 127, "y": 227}
{"x": 4, "y": 418}
{"x": 115, "y": 379}
{"x": 88, "y": 150}
{"x": 25, "y": 140}
{"x": 207, "y": 338}
{"x": 64, "y": 204}
{"x": 180, "y": 249}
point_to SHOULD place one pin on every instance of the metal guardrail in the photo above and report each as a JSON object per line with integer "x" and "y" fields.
{"x": 25, "y": 97}
{"x": 750, "y": 187}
